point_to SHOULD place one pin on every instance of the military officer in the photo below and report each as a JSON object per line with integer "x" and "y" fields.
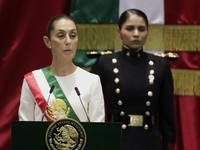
{"x": 138, "y": 88}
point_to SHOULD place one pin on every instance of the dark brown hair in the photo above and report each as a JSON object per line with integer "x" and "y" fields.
{"x": 50, "y": 26}
{"x": 126, "y": 14}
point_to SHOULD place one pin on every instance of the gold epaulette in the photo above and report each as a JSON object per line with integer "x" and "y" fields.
{"x": 170, "y": 56}
{"x": 94, "y": 54}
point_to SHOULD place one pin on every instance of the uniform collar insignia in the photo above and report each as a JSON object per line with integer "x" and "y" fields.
{"x": 128, "y": 52}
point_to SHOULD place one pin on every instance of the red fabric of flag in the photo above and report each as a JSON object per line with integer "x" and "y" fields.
{"x": 187, "y": 60}
{"x": 182, "y": 12}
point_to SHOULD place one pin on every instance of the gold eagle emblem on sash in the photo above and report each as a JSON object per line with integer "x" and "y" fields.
{"x": 57, "y": 109}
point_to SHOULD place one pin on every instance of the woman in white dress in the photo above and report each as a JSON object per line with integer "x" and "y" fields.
{"x": 62, "y": 39}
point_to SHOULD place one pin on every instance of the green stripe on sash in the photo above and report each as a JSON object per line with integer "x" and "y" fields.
{"x": 58, "y": 93}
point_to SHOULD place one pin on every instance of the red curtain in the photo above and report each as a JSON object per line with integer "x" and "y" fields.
{"x": 187, "y": 107}
{"x": 187, "y": 122}
{"x": 180, "y": 12}
{"x": 187, "y": 60}
{"x": 22, "y": 27}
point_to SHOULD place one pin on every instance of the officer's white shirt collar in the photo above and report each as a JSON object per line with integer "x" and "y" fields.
{"x": 130, "y": 49}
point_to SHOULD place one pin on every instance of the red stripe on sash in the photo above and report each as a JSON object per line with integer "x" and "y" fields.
{"x": 36, "y": 92}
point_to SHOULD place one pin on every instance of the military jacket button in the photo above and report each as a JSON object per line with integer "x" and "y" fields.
{"x": 117, "y": 90}
{"x": 150, "y": 93}
{"x": 119, "y": 102}
{"x": 146, "y": 127}
{"x": 122, "y": 113}
{"x": 151, "y": 81}
{"x": 151, "y": 72}
{"x": 116, "y": 80}
{"x": 115, "y": 70}
{"x": 123, "y": 126}
{"x": 114, "y": 60}
{"x": 148, "y": 103}
{"x": 147, "y": 113}
{"x": 151, "y": 63}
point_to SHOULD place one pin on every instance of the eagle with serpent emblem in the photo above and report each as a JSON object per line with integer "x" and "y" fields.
{"x": 57, "y": 109}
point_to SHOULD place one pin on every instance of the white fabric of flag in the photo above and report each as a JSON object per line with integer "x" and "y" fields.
{"x": 154, "y": 9}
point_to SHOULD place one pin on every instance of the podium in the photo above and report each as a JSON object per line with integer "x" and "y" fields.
{"x": 31, "y": 135}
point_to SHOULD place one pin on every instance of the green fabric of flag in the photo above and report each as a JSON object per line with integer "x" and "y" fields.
{"x": 98, "y": 12}
{"x": 82, "y": 60}
{"x": 94, "y": 11}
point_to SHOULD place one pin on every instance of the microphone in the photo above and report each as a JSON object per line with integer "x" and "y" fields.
{"x": 51, "y": 90}
{"x": 78, "y": 93}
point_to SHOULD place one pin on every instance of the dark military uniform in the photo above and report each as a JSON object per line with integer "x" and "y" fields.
{"x": 138, "y": 91}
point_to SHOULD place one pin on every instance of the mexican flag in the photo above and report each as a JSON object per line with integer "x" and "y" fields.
{"x": 174, "y": 27}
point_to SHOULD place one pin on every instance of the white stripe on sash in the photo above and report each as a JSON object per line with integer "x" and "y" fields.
{"x": 43, "y": 84}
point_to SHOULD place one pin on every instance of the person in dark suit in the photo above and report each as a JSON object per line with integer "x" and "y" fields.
{"x": 138, "y": 88}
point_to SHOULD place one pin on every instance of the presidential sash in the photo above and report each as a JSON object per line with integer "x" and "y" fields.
{"x": 58, "y": 107}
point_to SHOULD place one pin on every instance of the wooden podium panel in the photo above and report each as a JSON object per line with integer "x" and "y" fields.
{"x": 30, "y": 135}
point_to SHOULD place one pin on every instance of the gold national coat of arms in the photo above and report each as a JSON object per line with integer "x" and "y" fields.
{"x": 65, "y": 134}
{"x": 57, "y": 109}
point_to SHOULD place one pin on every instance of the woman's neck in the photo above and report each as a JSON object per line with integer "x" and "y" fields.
{"x": 132, "y": 49}
{"x": 62, "y": 68}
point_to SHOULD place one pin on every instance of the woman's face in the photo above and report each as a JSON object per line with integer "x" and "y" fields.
{"x": 133, "y": 32}
{"x": 64, "y": 39}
